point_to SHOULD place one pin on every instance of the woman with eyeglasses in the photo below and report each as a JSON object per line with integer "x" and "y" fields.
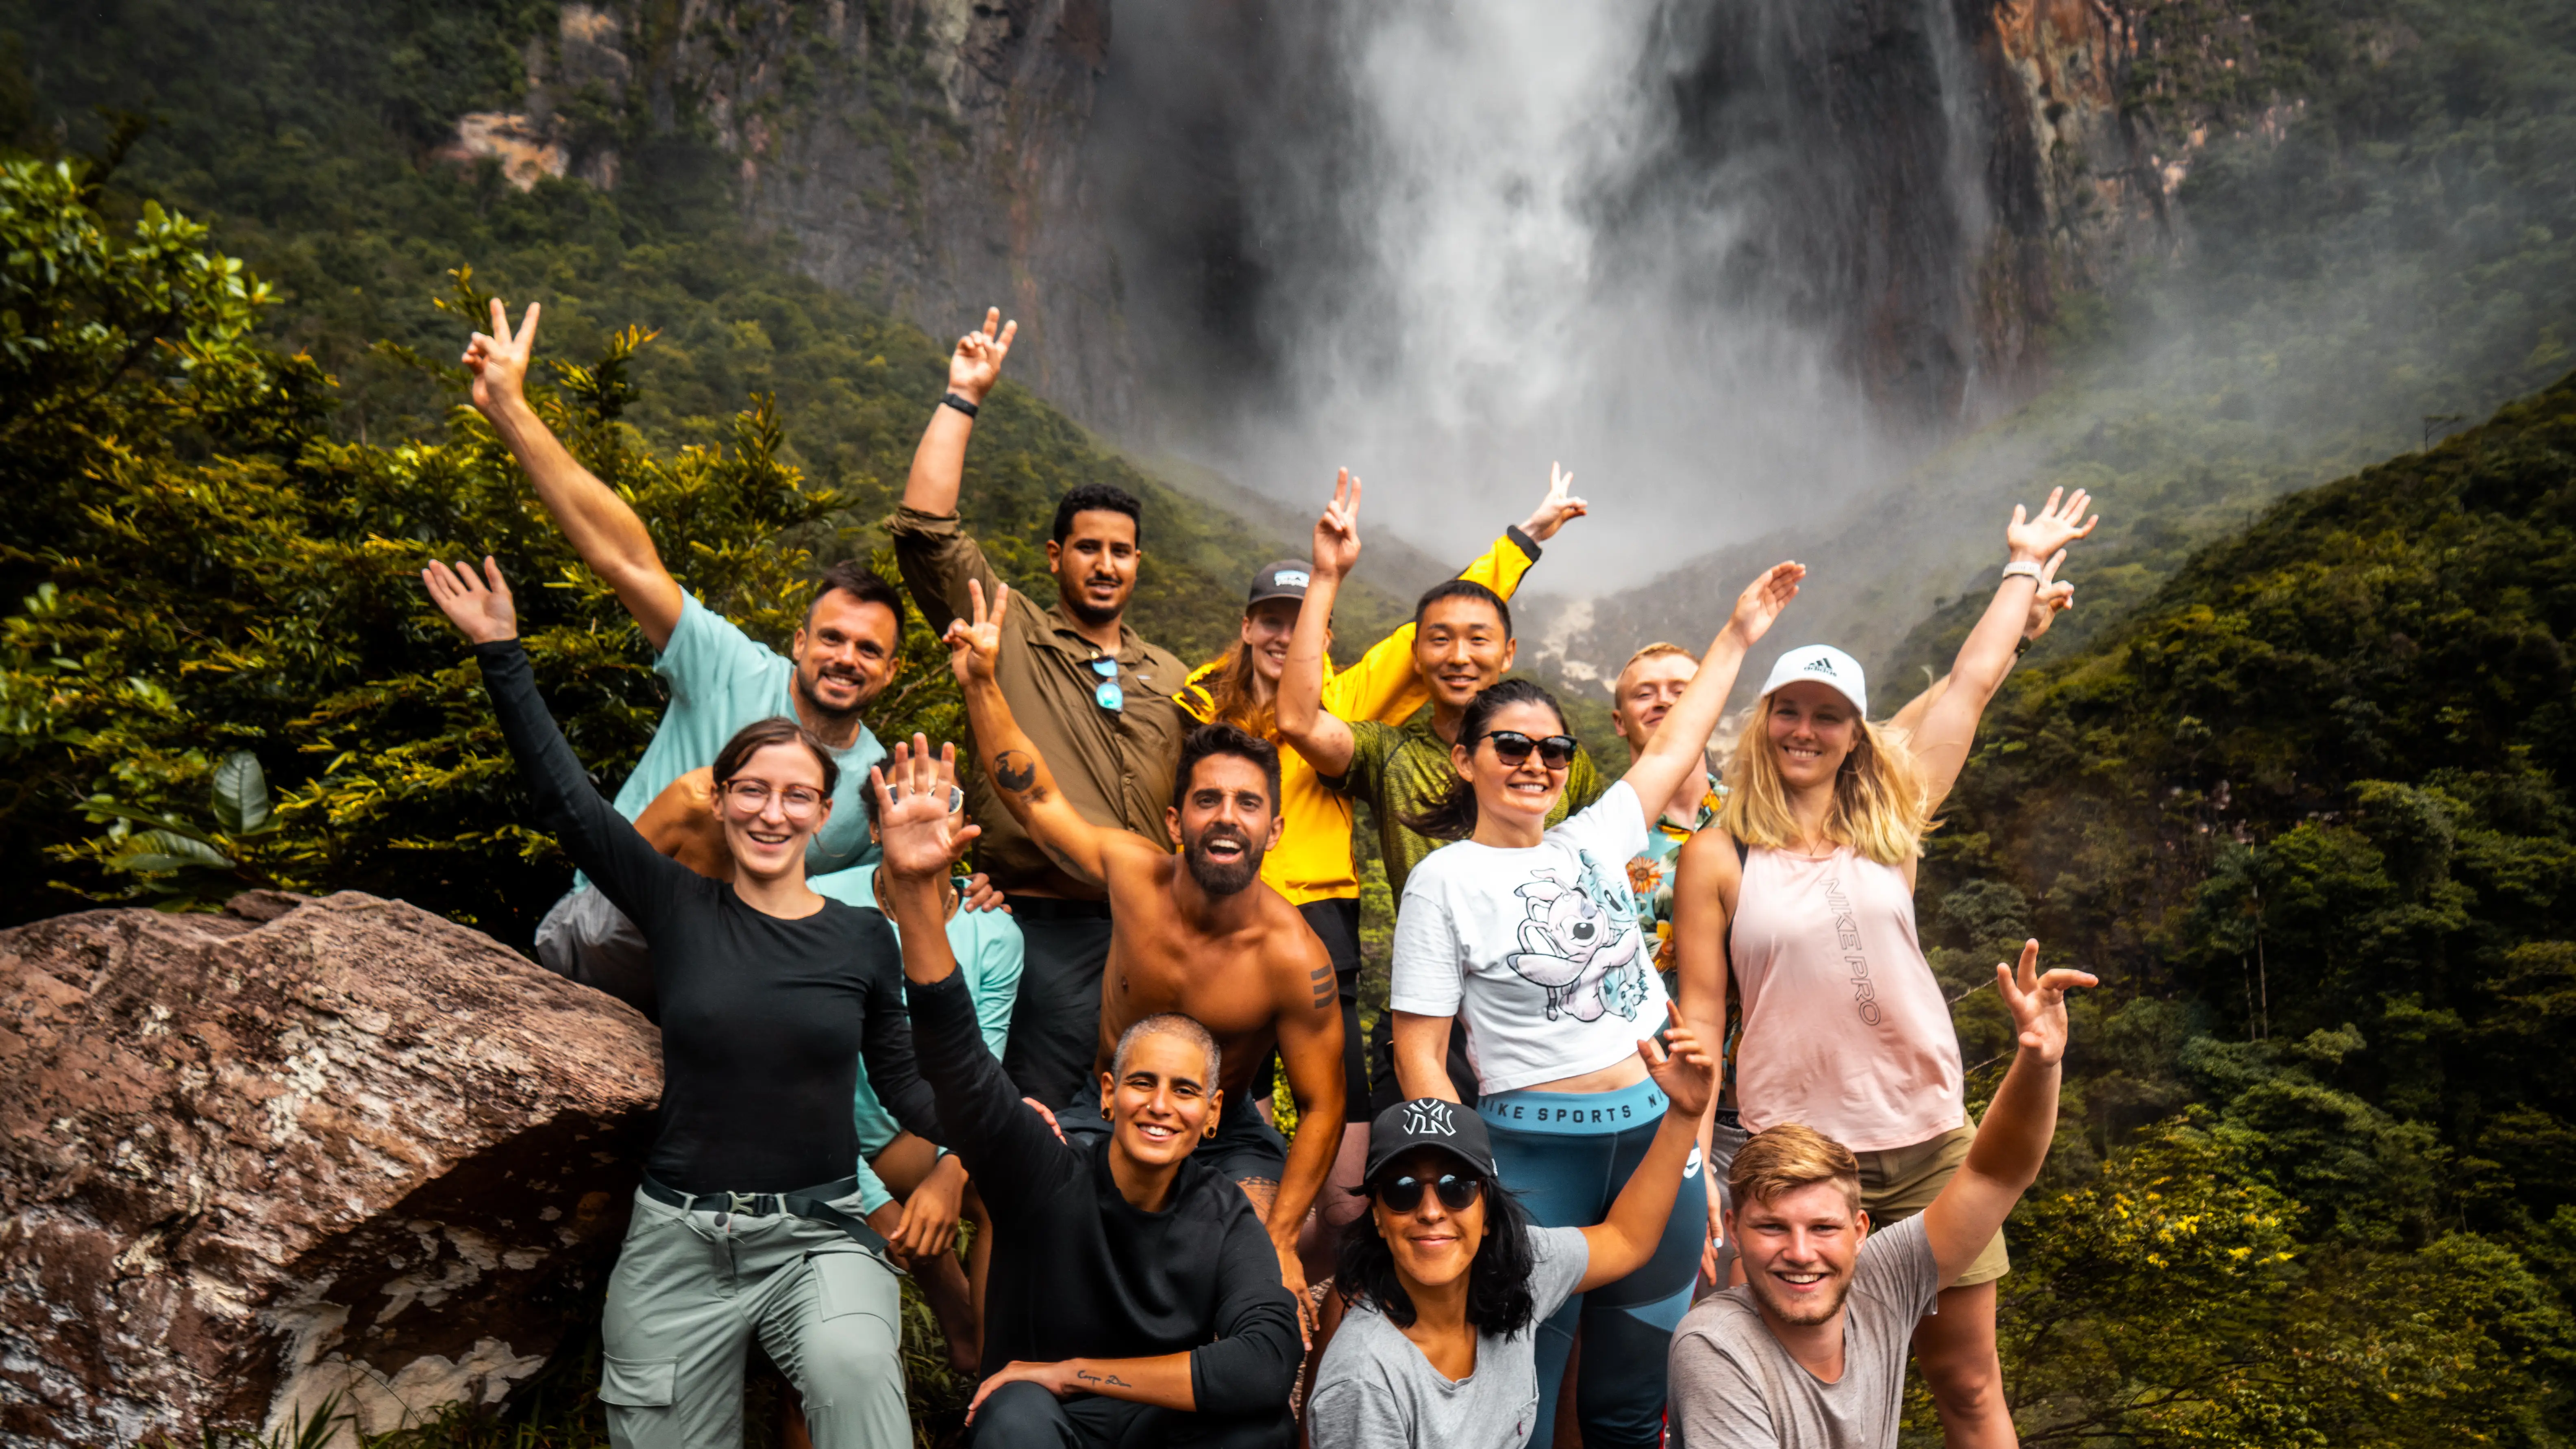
{"x": 1437, "y": 1347}
{"x": 1527, "y": 934}
{"x": 747, "y": 1223}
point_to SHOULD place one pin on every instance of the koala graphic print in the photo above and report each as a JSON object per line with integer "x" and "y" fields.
{"x": 1535, "y": 949}
{"x": 1580, "y": 941}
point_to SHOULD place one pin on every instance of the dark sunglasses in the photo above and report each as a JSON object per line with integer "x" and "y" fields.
{"x": 1511, "y": 747}
{"x": 1404, "y": 1194}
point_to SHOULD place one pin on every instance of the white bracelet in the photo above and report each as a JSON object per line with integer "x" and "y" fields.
{"x": 2022, "y": 569}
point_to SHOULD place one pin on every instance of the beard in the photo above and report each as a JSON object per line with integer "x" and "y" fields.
{"x": 862, "y": 697}
{"x": 1804, "y": 1314}
{"x": 1222, "y": 877}
{"x": 1089, "y": 615}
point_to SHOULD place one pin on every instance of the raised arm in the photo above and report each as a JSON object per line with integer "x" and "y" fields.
{"x": 939, "y": 464}
{"x": 1309, "y": 728}
{"x": 1681, "y": 740}
{"x": 1950, "y": 724}
{"x": 1623, "y": 1241}
{"x": 1027, "y": 789}
{"x": 634, "y": 876}
{"x": 2054, "y": 597}
{"x": 2012, "y": 1141}
{"x": 603, "y": 529}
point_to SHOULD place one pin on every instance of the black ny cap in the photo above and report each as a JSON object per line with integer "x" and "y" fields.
{"x": 1285, "y": 579}
{"x": 1430, "y": 1122}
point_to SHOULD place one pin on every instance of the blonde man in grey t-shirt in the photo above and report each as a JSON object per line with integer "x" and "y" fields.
{"x": 1809, "y": 1351}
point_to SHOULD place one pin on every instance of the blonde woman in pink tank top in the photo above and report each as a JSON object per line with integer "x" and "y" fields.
{"x": 1805, "y": 889}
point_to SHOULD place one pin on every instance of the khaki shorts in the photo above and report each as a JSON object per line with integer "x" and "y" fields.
{"x": 1902, "y": 1181}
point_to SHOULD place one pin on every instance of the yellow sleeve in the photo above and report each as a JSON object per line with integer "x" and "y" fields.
{"x": 1383, "y": 686}
{"x": 1197, "y": 695}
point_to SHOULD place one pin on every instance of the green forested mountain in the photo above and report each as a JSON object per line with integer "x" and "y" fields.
{"x": 2305, "y": 812}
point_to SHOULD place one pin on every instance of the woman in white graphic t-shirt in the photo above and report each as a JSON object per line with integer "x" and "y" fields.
{"x": 1528, "y": 935}
{"x": 1803, "y": 892}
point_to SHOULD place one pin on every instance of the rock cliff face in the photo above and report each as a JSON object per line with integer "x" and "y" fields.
{"x": 922, "y": 154}
{"x": 301, "y": 1149}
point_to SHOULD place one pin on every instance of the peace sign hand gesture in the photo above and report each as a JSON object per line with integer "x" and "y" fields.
{"x": 1555, "y": 510}
{"x": 1337, "y": 533}
{"x": 920, "y": 812}
{"x": 974, "y": 646}
{"x": 978, "y": 363}
{"x": 499, "y": 359}
{"x": 2038, "y": 1002}
{"x": 2055, "y": 596}
{"x": 2033, "y": 539}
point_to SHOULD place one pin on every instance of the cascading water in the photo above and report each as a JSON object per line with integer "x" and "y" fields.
{"x": 1715, "y": 256}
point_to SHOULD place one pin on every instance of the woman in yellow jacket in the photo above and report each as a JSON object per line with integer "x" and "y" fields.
{"x": 1312, "y": 864}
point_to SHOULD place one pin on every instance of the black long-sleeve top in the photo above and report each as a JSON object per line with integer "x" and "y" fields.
{"x": 763, "y": 1019}
{"x": 1080, "y": 1272}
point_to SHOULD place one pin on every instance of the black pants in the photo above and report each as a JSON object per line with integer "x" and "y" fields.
{"x": 1025, "y": 1416}
{"x": 1055, "y": 1022}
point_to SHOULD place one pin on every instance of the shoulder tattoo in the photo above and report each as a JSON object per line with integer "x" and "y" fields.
{"x": 1323, "y": 984}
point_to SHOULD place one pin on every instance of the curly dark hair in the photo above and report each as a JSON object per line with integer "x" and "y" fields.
{"x": 1499, "y": 1301}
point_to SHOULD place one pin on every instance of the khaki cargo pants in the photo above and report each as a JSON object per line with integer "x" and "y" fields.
{"x": 692, "y": 1289}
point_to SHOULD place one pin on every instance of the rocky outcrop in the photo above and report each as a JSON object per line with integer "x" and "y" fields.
{"x": 923, "y": 155}
{"x": 303, "y": 1148}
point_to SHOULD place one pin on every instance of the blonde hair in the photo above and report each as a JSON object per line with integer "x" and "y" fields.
{"x": 1659, "y": 647}
{"x": 1789, "y": 1156}
{"x": 1879, "y": 808}
{"x": 1234, "y": 697}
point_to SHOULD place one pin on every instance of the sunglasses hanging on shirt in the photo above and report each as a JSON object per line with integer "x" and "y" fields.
{"x": 1108, "y": 696}
{"x": 1511, "y": 747}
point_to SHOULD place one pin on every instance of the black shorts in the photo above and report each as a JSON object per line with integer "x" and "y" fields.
{"x": 1245, "y": 1148}
{"x": 1336, "y": 923}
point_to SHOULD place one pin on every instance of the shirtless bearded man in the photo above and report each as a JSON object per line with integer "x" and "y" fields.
{"x": 1196, "y": 933}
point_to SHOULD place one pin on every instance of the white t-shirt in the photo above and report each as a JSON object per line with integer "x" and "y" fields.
{"x": 1536, "y": 949}
{"x": 1375, "y": 1390}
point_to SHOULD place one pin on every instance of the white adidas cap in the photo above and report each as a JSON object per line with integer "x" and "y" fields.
{"x": 1827, "y": 666}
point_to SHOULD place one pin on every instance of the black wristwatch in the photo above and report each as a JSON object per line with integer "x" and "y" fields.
{"x": 962, "y": 405}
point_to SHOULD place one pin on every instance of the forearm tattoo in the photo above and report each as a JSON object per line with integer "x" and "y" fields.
{"x": 1016, "y": 770}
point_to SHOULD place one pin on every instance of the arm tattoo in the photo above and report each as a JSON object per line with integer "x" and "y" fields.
{"x": 1321, "y": 979}
{"x": 1088, "y": 1377}
{"x": 1016, "y": 771}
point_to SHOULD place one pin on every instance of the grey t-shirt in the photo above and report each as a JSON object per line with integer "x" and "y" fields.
{"x": 1735, "y": 1387}
{"x": 1375, "y": 1390}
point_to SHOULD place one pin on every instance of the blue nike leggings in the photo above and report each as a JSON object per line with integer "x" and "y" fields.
{"x": 1566, "y": 1155}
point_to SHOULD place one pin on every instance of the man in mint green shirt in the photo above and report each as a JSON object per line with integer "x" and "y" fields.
{"x": 841, "y": 659}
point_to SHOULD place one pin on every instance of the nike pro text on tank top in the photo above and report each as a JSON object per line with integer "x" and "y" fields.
{"x": 1845, "y": 1028}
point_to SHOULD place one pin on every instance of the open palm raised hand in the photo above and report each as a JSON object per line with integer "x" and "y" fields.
{"x": 920, "y": 811}
{"x": 975, "y": 644}
{"x": 2060, "y": 522}
{"x": 1337, "y": 533}
{"x": 499, "y": 358}
{"x": 1759, "y": 606}
{"x": 977, "y": 364}
{"x": 2038, "y": 1002}
{"x": 480, "y": 608}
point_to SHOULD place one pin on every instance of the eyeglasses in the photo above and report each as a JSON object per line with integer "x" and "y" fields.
{"x": 796, "y": 802}
{"x": 1404, "y": 1194}
{"x": 1108, "y": 696}
{"x": 1511, "y": 747}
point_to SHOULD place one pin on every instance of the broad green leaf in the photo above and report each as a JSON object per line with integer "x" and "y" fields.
{"x": 158, "y": 852}
{"x": 241, "y": 793}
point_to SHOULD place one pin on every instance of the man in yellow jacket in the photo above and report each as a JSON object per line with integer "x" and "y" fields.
{"x": 1312, "y": 865}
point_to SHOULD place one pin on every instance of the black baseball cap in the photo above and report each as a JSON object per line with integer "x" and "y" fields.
{"x": 1285, "y": 579}
{"x": 1430, "y": 1122}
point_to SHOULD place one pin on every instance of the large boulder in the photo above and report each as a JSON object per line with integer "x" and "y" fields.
{"x": 301, "y": 1148}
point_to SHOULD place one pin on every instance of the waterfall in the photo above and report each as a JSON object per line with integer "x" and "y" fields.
{"x": 1711, "y": 254}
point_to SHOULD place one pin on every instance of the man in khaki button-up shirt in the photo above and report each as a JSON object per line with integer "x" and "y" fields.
{"x": 1094, "y": 697}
